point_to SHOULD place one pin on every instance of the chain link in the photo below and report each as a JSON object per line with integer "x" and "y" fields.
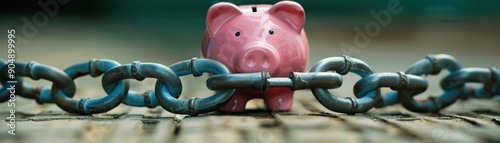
{"x": 343, "y": 65}
{"x": 487, "y": 76}
{"x": 195, "y": 105}
{"x": 93, "y": 68}
{"x": 326, "y": 74}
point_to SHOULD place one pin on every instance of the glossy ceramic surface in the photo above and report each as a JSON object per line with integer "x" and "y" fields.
{"x": 254, "y": 38}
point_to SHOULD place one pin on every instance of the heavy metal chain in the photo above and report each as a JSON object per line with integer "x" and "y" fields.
{"x": 326, "y": 74}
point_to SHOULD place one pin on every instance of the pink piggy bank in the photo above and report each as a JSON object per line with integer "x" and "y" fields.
{"x": 254, "y": 38}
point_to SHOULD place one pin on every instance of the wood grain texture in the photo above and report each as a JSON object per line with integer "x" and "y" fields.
{"x": 466, "y": 121}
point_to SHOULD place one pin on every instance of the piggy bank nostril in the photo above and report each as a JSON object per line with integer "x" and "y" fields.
{"x": 251, "y": 63}
{"x": 266, "y": 64}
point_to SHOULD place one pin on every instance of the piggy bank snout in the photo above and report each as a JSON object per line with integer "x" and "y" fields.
{"x": 258, "y": 59}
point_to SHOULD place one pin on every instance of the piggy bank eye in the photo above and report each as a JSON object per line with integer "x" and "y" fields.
{"x": 237, "y": 34}
{"x": 271, "y": 32}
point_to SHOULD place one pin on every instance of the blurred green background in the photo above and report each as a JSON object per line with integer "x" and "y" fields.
{"x": 169, "y": 31}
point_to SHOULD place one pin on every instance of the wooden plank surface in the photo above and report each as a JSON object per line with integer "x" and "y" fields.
{"x": 308, "y": 121}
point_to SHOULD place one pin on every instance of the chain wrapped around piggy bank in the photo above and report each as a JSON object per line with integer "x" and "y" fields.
{"x": 256, "y": 51}
{"x": 254, "y": 38}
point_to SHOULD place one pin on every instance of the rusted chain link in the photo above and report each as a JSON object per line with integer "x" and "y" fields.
{"x": 326, "y": 74}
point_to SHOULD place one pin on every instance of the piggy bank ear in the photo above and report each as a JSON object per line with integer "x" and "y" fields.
{"x": 220, "y": 13}
{"x": 290, "y": 12}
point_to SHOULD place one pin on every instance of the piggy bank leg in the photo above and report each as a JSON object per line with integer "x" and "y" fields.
{"x": 236, "y": 103}
{"x": 279, "y": 99}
